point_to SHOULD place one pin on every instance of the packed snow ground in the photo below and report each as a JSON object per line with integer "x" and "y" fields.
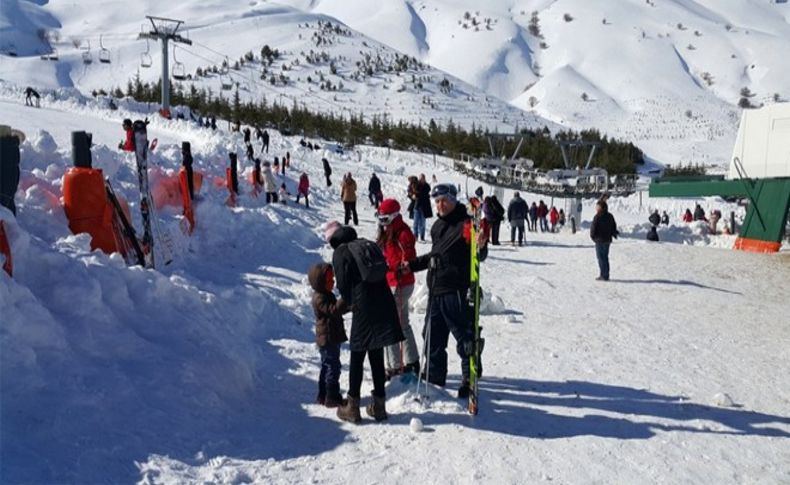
{"x": 205, "y": 370}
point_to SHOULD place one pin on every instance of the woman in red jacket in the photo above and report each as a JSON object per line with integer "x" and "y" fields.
{"x": 397, "y": 242}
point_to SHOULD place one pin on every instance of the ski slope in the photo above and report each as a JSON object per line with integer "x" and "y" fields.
{"x": 205, "y": 370}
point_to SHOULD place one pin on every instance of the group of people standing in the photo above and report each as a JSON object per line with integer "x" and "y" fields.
{"x": 520, "y": 213}
{"x": 380, "y": 328}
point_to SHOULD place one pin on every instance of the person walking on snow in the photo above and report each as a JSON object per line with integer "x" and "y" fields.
{"x": 448, "y": 286}
{"x": 602, "y": 230}
{"x": 374, "y": 324}
{"x": 303, "y": 189}
{"x": 543, "y": 211}
{"x": 374, "y": 191}
{"x": 329, "y": 333}
{"x": 554, "y": 216}
{"x": 516, "y": 214}
{"x": 327, "y": 171}
{"x": 494, "y": 213}
{"x": 422, "y": 206}
{"x": 664, "y": 218}
{"x": 31, "y": 93}
{"x": 533, "y": 218}
{"x": 348, "y": 194}
{"x": 269, "y": 184}
{"x": 397, "y": 242}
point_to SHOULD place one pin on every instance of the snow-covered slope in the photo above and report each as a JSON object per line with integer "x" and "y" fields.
{"x": 205, "y": 370}
{"x": 666, "y": 75}
{"x": 313, "y": 57}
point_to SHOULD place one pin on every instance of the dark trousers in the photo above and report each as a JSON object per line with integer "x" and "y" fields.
{"x": 602, "y": 253}
{"x": 351, "y": 210}
{"x": 544, "y": 225}
{"x": 517, "y": 226}
{"x": 376, "y": 359}
{"x": 449, "y": 313}
{"x": 328, "y": 182}
{"x": 265, "y": 147}
{"x": 532, "y": 226}
{"x": 306, "y": 201}
{"x": 375, "y": 199}
{"x": 329, "y": 379}
{"x": 271, "y": 197}
{"x": 495, "y": 232}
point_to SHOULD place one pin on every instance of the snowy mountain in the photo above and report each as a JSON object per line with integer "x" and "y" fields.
{"x": 322, "y": 64}
{"x": 204, "y": 370}
{"x": 666, "y": 75}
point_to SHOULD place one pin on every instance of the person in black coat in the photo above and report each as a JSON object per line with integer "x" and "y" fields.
{"x": 495, "y": 213}
{"x": 517, "y": 212}
{"x": 374, "y": 325}
{"x": 374, "y": 191}
{"x": 422, "y": 207}
{"x": 327, "y": 171}
{"x": 602, "y": 230}
{"x": 654, "y": 218}
{"x": 448, "y": 286}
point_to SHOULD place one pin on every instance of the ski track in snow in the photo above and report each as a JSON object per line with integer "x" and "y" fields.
{"x": 205, "y": 370}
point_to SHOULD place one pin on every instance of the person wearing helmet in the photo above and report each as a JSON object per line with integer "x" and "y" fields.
{"x": 397, "y": 243}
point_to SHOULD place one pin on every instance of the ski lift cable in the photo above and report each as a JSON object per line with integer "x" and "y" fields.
{"x": 303, "y": 91}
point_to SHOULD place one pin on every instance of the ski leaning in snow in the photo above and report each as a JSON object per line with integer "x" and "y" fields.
{"x": 141, "y": 155}
{"x": 475, "y": 367}
{"x": 124, "y": 230}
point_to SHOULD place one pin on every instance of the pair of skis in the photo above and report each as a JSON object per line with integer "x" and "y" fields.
{"x": 475, "y": 364}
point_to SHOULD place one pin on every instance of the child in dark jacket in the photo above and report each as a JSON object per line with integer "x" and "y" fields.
{"x": 329, "y": 332}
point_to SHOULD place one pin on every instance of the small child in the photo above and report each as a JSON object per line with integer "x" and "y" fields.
{"x": 329, "y": 332}
{"x": 284, "y": 194}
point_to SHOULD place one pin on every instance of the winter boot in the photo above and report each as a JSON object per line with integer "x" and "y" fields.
{"x": 350, "y": 410}
{"x": 390, "y": 373}
{"x": 377, "y": 408}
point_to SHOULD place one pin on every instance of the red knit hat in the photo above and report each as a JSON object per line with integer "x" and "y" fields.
{"x": 389, "y": 206}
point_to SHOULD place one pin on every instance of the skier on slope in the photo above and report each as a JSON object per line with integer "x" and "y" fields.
{"x": 397, "y": 242}
{"x": 374, "y": 324}
{"x": 448, "y": 283}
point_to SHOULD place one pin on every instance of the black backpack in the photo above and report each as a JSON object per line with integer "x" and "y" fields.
{"x": 370, "y": 260}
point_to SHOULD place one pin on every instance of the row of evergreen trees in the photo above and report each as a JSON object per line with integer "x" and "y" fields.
{"x": 615, "y": 156}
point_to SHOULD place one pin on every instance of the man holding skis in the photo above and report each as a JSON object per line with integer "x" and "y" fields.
{"x": 448, "y": 284}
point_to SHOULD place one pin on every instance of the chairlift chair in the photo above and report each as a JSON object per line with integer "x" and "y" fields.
{"x": 179, "y": 71}
{"x": 145, "y": 57}
{"x": 53, "y": 56}
{"x": 225, "y": 82}
{"x": 104, "y": 54}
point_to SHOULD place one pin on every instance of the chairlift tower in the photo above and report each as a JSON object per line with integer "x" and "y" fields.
{"x": 165, "y": 30}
